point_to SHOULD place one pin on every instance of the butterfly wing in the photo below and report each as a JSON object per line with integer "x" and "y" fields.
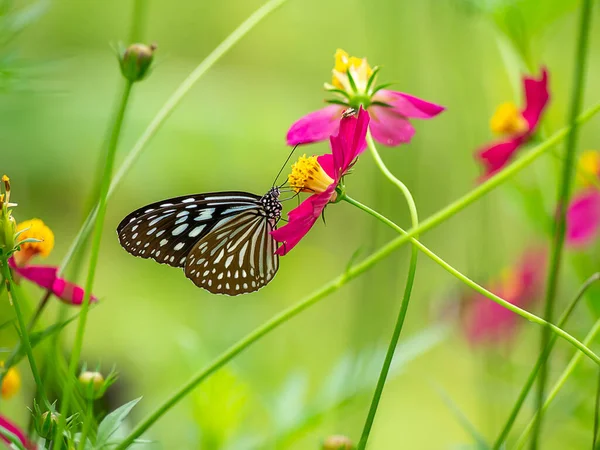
{"x": 236, "y": 257}
{"x": 166, "y": 231}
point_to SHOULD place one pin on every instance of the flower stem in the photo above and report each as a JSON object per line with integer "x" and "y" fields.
{"x": 596, "y": 415}
{"x": 163, "y": 114}
{"x": 16, "y": 302}
{"x": 95, "y": 250}
{"x": 87, "y": 423}
{"x": 410, "y": 277}
{"x": 541, "y": 359}
{"x": 558, "y": 386}
{"x": 466, "y": 280}
{"x": 563, "y": 201}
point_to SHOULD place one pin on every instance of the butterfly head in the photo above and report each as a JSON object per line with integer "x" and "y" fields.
{"x": 272, "y": 204}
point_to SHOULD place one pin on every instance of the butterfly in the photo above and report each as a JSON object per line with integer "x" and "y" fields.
{"x": 221, "y": 240}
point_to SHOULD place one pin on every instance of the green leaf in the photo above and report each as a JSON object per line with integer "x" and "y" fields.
{"x": 36, "y": 338}
{"x": 481, "y": 443}
{"x": 13, "y": 439}
{"x": 112, "y": 422}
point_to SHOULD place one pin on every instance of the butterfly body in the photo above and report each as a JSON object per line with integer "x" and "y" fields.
{"x": 221, "y": 240}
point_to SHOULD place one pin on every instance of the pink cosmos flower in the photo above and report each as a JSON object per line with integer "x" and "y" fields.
{"x": 583, "y": 214}
{"x": 19, "y": 434}
{"x": 44, "y": 276}
{"x": 321, "y": 176}
{"x": 485, "y": 321}
{"x": 354, "y": 85}
{"x": 516, "y": 126}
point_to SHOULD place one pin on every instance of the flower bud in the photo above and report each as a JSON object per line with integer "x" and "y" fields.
{"x": 135, "y": 61}
{"x": 46, "y": 424}
{"x": 92, "y": 384}
{"x": 337, "y": 442}
{"x": 8, "y": 226}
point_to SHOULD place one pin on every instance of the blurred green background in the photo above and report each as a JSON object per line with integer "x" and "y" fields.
{"x": 61, "y": 81}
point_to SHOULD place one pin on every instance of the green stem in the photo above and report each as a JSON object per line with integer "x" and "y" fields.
{"x": 562, "y": 202}
{"x": 95, "y": 250}
{"x": 466, "y": 280}
{"x": 389, "y": 356}
{"x": 541, "y": 359}
{"x": 87, "y": 423}
{"x": 139, "y": 19}
{"x": 558, "y": 386}
{"x": 12, "y": 298}
{"x": 38, "y": 312}
{"x": 166, "y": 110}
{"x": 596, "y": 414}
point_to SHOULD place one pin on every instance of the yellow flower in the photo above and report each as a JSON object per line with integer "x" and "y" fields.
{"x": 308, "y": 176}
{"x": 33, "y": 229}
{"x": 588, "y": 167}
{"x": 359, "y": 70}
{"x": 11, "y": 383}
{"x": 508, "y": 120}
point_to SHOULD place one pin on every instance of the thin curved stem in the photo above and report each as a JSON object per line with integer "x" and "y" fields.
{"x": 24, "y": 333}
{"x": 575, "y": 360}
{"x": 94, "y": 255}
{"x": 541, "y": 359}
{"x": 410, "y": 277}
{"x": 466, "y": 280}
{"x": 564, "y": 194}
{"x": 166, "y": 110}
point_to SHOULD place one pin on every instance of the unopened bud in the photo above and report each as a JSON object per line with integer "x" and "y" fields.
{"x": 92, "y": 384}
{"x": 47, "y": 424}
{"x": 136, "y": 60}
{"x": 337, "y": 442}
{"x": 8, "y": 226}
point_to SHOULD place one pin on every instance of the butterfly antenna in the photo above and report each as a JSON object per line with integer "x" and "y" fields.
{"x": 284, "y": 164}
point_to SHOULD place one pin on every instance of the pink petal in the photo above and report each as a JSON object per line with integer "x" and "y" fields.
{"x": 316, "y": 126}
{"x": 14, "y": 429}
{"x": 349, "y": 142}
{"x": 43, "y": 276}
{"x": 407, "y": 105}
{"x": 326, "y": 162}
{"x": 487, "y": 321}
{"x": 536, "y": 98}
{"x": 47, "y": 278}
{"x": 301, "y": 220}
{"x": 69, "y": 293}
{"x": 495, "y": 156}
{"x": 390, "y": 127}
{"x": 583, "y": 218}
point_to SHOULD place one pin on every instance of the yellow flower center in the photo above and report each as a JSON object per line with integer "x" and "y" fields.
{"x": 359, "y": 70}
{"x": 508, "y": 120}
{"x": 11, "y": 383}
{"x": 588, "y": 167}
{"x": 308, "y": 176}
{"x": 33, "y": 229}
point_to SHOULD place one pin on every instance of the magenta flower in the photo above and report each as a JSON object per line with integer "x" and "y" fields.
{"x": 354, "y": 85}
{"x": 19, "y": 434}
{"x": 485, "y": 321}
{"x": 517, "y": 126}
{"x": 44, "y": 276}
{"x": 321, "y": 176}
